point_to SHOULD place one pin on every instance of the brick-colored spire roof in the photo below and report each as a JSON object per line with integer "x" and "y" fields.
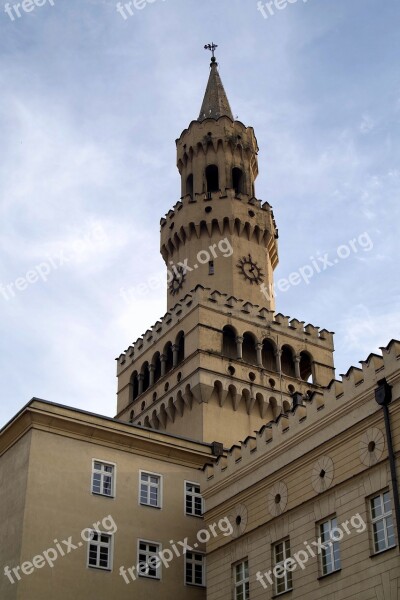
{"x": 215, "y": 103}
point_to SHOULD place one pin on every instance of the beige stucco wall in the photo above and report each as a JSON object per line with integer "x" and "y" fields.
{"x": 286, "y": 459}
{"x": 59, "y": 504}
{"x": 14, "y": 470}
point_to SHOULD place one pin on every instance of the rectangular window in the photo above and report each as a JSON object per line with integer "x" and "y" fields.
{"x": 103, "y": 475}
{"x": 382, "y": 522}
{"x": 100, "y": 547}
{"x": 193, "y": 499}
{"x": 241, "y": 581}
{"x": 281, "y": 552}
{"x": 330, "y": 554}
{"x": 195, "y": 573}
{"x": 150, "y": 489}
{"x": 211, "y": 270}
{"x": 149, "y": 563}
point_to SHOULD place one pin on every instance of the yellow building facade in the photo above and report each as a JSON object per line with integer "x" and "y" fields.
{"x": 236, "y": 466}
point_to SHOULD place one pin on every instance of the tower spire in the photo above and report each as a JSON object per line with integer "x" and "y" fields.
{"x": 215, "y": 103}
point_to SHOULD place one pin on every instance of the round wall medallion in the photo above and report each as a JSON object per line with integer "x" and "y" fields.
{"x": 277, "y": 499}
{"x": 322, "y": 474}
{"x": 177, "y": 281}
{"x": 238, "y": 520}
{"x": 250, "y": 269}
{"x": 372, "y": 445}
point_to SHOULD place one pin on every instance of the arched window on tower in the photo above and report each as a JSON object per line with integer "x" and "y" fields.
{"x": 268, "y": 356}
{"x": 146, "y": 376}
{"x": 212, "y": 178}
{"x": 249, "y": 348}
{"x": 189, "y": 185}
{"x": 169, "y": 356}
{"x": 237, "y": 180}
{"x": 229, "y": 348}
{"x": 156, "y": 362}
{"x": 180, "y": 342}
{"x": 306, "y": 372}
{"x": 287, "y": 359}
{"x": 134, "y": 386}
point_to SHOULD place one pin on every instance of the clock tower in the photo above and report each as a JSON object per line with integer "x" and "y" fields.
{"x": 219, "y": 235}
{"x": 221, "y": 363}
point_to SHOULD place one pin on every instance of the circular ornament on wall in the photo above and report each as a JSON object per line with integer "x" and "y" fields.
{"x": 177, "y": 281}
{"x": 238, "y": 519}
{"x": 250, "y": 269}
{"x": 372, "y": 445}
{"x": 277, "y": 499}
{"x": 322, "y": 474}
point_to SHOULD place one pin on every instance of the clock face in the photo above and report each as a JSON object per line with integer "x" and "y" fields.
{"x": 250, "y": 269}
{"x": 177, "y": 280}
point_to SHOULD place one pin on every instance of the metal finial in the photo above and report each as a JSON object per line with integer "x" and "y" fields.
{"x": 212, "y": 47}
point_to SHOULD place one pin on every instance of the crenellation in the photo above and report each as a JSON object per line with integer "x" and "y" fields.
{"x": 202, "y": 296}
{"x": 351, "y": 389}
{"x": 311, "y": 330}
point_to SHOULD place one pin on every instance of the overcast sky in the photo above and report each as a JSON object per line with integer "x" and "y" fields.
{"x": 90, "y": 107}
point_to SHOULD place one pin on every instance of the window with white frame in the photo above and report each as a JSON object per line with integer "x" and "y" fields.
{"x": 193, "y": 499}
{"x": 330, "y": 553}
{"x": 281, "y": 552}
{"x": 103, "y": 476}
{"x": 150, "y": 489}
{"x": 100, "y": 550}
{"x": 241, "y": 580}
{"x": 195, "y": 573}
{"x": 149, "y": 563}
{"x": 382, "y": 522}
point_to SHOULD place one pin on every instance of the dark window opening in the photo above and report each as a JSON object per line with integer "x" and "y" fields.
{"x": 134, "y": 386}
{"x": 180, "y": 342}
{"x": 288, "y": 367}
{"x": 229, "y": 342}
{"x": 268, "y": 356}
{"x": 170, "y": 358}
{"x": 189, "y": 186}
{"x": 249, "y": 349}
{"x": 212, "y": 178}
{"x": 211, "y": 267}
{"x": 237, "y": 180}
{"x": 146, "y": 377}
{"x": 306, "y": 367}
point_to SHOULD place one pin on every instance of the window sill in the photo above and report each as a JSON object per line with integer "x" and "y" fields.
{"x": 328, "y": 574}
{"x": 383, "y": 551}
{"x": 282, "y": 593}
{"x": 150, "y": 506}
{"x": 100, "y": 495}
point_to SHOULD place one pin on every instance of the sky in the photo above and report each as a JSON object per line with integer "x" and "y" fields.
{"x": 91, "y": 104}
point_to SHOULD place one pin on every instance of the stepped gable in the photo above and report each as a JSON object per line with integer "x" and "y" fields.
{"x": 353, "y": 387}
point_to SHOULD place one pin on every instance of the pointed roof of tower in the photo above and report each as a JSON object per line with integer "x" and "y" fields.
{"x": 215, "y": 103}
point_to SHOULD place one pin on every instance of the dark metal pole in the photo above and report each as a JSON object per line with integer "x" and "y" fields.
{"x": 383, "y": 396}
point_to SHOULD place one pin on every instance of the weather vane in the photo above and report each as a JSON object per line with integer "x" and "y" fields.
{"x": 212, "y": 47}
